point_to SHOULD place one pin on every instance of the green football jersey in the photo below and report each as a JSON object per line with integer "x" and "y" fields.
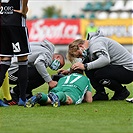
{"x": 74, "y": 85}
{"x": 75, "y": 80}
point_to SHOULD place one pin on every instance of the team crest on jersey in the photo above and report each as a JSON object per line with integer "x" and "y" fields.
{"x": 16, "y": 47}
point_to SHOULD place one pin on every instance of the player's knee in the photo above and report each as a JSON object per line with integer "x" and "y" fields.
{"x": 105, "y": 82}
{"x": 101, "y": 78}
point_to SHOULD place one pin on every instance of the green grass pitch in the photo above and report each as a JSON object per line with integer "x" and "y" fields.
{"x": 97, "y": 117}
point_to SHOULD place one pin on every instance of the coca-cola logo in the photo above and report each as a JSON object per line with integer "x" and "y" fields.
{"x": 40, "y": 30}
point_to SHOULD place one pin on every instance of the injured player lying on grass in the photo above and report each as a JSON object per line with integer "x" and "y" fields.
{"x": 74, "y": 88}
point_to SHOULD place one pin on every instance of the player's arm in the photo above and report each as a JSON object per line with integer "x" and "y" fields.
{"x": 24, "y": 9}
{"x": 65, "y": 72}
{"x": 41, "y": 64}
{"x": 101, "y": 61}
{"x": 88, "y": 97}
{"x": 42, "y": 70}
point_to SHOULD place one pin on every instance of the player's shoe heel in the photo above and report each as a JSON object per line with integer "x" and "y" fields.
{"x": 54, "y": 98}
{"x": 30, "y": 102}
{"x": 21, "y": 102}
{"x": 33, "y": 100}
{"x": 130, "y": 100}
{"x": 3, "y": 104}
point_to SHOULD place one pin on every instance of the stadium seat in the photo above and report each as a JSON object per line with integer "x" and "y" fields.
{"x": 124, "y": 15}
{"x": 107, "y": 6}
{"x": 64, "y": 16}
{"x": 34, "y": 17}
{"x": 44, "y": 16}
{"x": 74, "y": 16}
{"x": 98, "y": 6}
{"x": 81, "y": 16}
{"x": 119, "y": 5}
{"x": 102, "y": 15}
{"x": 113, "y": 15}
{"x": 92, "y": 15}
{"x": 55, "y": 16}
{"x": 88, "y": 7}
{"x": 128, "y": 6}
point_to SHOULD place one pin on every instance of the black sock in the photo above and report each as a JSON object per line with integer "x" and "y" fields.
{"x": 22, "y": 78}
{"x": 16, "y": 90}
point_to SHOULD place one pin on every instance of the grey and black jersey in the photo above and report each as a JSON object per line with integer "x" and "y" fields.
{"x": 8, "y": 16}
{"x": 104, "y": 51}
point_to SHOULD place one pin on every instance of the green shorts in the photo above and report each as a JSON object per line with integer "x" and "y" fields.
{"x": 72, "y": 92}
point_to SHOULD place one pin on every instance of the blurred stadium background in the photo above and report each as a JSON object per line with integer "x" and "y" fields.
{"x": 62, "y": 21}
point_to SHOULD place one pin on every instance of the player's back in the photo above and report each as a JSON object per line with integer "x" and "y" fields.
{"x": 75, "y": 80}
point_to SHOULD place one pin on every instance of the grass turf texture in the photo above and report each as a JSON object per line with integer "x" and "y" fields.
{"x": 97, "y": 117}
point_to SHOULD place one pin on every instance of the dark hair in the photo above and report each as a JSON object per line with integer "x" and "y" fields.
{"x": 76, "y": 71}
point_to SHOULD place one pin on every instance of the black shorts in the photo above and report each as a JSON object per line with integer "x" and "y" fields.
{"x": 14, "y": 41}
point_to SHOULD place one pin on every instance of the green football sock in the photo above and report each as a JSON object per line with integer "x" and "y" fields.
{"x": 44, "y": 99}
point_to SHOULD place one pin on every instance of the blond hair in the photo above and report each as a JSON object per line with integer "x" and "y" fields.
{"x": 73, "y": 47}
